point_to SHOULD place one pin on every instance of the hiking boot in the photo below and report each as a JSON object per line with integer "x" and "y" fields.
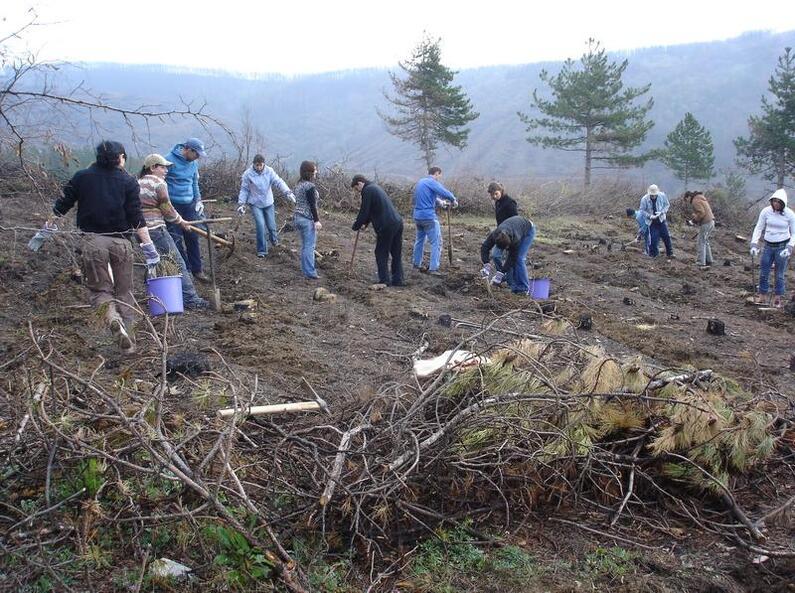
{"x": 121, "y": 336}
{"x": 262, "y": 254}
{"x": 197, "y": 304}
{"x": 436, "y": 273}
{"x": 672, "y": 256}
{"x": 201, "y": 277}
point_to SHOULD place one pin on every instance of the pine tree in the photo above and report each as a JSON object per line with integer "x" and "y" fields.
{"x": 430, "y": 109}
{"x": 592, "y": 112}
{"x": 770, "y": 147}
{"x": 688, "y": 150}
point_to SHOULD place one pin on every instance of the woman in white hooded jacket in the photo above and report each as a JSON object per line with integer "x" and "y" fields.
{"x": 776, "y": 227}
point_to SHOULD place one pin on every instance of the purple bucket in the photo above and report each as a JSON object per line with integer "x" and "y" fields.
{"x": 539, "y": 288}
{"x": 165, "y": 295}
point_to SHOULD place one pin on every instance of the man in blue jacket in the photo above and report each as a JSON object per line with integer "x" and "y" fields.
{"x": 654, "y": 206}
{"x": 427, "y": 193}
{"x": 183, "y": 190}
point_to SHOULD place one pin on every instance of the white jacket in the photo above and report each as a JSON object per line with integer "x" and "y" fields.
{"x": 773, "y": 226}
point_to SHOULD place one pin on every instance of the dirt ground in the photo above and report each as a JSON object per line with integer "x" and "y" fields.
{"x": 364, "y": 339}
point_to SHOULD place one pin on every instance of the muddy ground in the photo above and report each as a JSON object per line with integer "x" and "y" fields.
{"x": 364, "y": 339}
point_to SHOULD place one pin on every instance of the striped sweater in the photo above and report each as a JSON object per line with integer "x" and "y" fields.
{"x": 155, "y": 204}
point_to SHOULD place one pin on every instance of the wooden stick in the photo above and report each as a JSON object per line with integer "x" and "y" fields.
{"x": 353, "y": 254}
{"x": 449, "y": 238}
{"x": 271, "y": 409}
{"x": 216, "y": 238}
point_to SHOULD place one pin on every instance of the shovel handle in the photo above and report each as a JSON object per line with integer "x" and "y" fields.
{"x": 216, "y": 238}
{"x": 353, "y": 253}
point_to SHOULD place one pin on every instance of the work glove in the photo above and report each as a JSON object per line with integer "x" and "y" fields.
{"x": 241, "y": 210}
{"x": 443, "y": 204}
{"x": 41, "y": 237}
{"x": 150, "y": 253}
{"x": 690, "y": 223}
{"x": 318, "y": 226}
{"x": 498, "y": 278}
{"x": 786, "y": 252}
{"x": 754, "y": 250}
{"x": 454, "y": 204}
{"x": 200, "y": 208}
{"x": 485, "y": 271}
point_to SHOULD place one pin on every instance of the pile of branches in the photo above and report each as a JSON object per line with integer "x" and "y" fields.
{"x": 543, "y": 420}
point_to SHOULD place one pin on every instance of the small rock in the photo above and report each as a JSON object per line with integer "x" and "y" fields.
{"x": 628, "y": 301}
{"x": 324, "y": 296}
{"x": 164, "y": 568}
{"x": 445, "y": 320}
{"x": 586, "y": 322}
{"x": 248, "y": 318}
{"x": 727, "y": 262}
{"x": 716, "y": 327}
{"x": 244, "y": 305}
{"x": 419, "y": 314}
{"x": 377, "y": 286}
{"x": 687, "y": 289}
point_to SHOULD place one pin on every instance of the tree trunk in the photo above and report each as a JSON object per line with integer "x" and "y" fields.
{"x": 588, "y": 151}
{"x": 780, "y": 169}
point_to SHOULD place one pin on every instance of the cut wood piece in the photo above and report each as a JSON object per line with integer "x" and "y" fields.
{"x": 271, "y": 409}
{"x": 740, "y": 239}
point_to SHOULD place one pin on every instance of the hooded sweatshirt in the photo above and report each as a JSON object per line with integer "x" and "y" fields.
{"x": 182, "y": 177}
{"x": 255, "y": 187}
{"x": 775, "y": 227}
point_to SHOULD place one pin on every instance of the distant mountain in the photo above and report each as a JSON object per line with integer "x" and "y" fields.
{"x": 332, "y": 117}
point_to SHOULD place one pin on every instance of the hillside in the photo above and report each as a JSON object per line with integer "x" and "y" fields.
{"x": 108, "y": 463}
{"x": 332, "y": 117}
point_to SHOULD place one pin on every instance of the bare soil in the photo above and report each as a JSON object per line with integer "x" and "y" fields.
{"x": 353, "y": 346}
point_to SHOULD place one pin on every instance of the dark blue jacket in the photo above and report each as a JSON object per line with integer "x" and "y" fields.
{"x": 377, "y": 209}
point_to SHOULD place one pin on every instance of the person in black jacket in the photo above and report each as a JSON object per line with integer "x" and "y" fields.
{"x": 514, "y": 236}
{"x": 108, "y": 209}
{"x": 504, "y": 207}
{"x": 378, "y": 209}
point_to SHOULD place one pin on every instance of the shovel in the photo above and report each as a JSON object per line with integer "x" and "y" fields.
{"x": 353, "y": 254}
{"x": 449, "y": 239}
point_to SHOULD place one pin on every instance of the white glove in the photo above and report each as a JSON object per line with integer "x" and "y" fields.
{"x": 454, "y": 204}
{"x": 241, "y": 210}
{"x": 150, "y": 253}
{"x": 42, "y": 236}
{"x": 754, "y": 250}
{"x": 318, "y": 226}
{"x": 498, "y": 277}
{"x": 786, "y": 252}
{"x": 485, "y": 271}
{"x": 690, "y": 223}
{"x": 200, "y": 208}
{"x": 441, "y": 204}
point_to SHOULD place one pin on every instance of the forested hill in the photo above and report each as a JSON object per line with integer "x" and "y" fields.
{"x": 332, "y": 117}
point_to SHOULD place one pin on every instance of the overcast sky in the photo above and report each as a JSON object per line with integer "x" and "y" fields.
{"x": 296, "y": 37}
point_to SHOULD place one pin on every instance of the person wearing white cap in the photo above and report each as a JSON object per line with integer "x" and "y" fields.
{"x": 158, "y": 211}
{"x": 776, "y": 227}
{"x": 654, "y": 206}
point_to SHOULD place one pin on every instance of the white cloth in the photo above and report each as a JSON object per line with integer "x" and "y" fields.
{"x": 459, "y": 359}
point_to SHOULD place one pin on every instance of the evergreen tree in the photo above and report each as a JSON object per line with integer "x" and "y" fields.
{"x": 770, "y": 146}
{"x": 430, "y": 109}
{"x": 592, "y": 112}
{"x": 688, "y": 150}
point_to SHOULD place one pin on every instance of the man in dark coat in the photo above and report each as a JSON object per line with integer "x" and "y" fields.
{"x": 378, "y": 209}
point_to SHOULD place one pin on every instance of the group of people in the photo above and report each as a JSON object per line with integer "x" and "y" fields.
{"x": 772, "y": 241}
{"x": 162, "y": 206}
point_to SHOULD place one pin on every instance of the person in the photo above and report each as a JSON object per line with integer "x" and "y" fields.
{"x": 428, "y": 194}
{"x": 377, "y": 208}
{"x": 255, "y": 190}
{"x": 643, "y": 228}
{"x": 108, "y": 208}
{"x": 654, "y": 205}
{"x": 704, "y": 219}
{"x": 182, "y": 180}
{"x": 776, "y": 226}
{"x": 305, "y": 217}
{"x": 158, "y": 211}
{"x": 514, "y": 236}
{"x": 504, "y": 207}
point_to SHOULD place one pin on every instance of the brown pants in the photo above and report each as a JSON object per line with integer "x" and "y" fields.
{"x": 99, "y": 254}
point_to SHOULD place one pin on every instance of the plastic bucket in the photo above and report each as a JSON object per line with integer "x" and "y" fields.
{"x": 539, "y": 288}
{"x": 165, "y": 295}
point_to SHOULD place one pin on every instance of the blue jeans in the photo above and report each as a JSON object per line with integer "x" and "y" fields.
{"x": 657, "y": 231}
{"x": 165, "y": 246}
{"x": 770, "y": 255}
{"x": 644, "y": 237}
{"x": 306, "y": 228}
{"x": 431, "y": 230}
{"x": 497, "y": 258}
{"x": 265, "y": 217}
{"x": 516, "y": 275}
{"x": 190, "y": 252}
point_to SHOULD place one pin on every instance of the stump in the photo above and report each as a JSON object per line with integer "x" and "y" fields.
{"x": 716, "y": 327}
